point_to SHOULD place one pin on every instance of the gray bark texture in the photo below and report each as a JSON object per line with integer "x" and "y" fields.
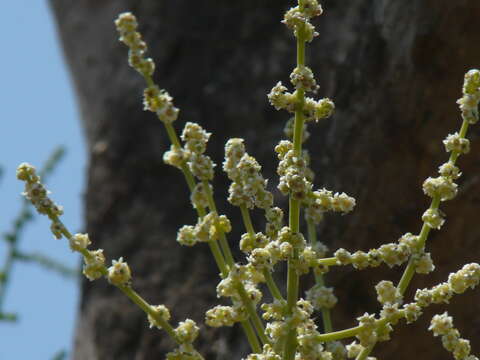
{"x": 394, "y": 70}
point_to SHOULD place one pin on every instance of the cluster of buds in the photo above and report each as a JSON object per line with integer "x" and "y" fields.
{"x": 185, "y": 333}
{"x": 321, "y": 297}
{"x": 225, "y": 315}
{"x": 391, "y": 254}
{"x": 240, "y": 276}
{"x": 94, "y": 264}
{"x": 442, "y": 325}
{"x": 441, "y": 187}
{"x": 37, "y": 194}
{"x": 162, "y": 312}
{"x": 368, "y": 334}
{"x": 267, "y": 254}
{"x": 195, "y": 139}
{"x": 370, "y": 329}
{"x": 127, "y": 25}
{"x": 307, "y": 333}
{"x": 293, "y": 172}
{"x": 155, "y": 99}
{"x": 387, "y": 293}
{"x": 192, "y": 154}
{"x": 459, "y": 282}
{"x": 321, "y": 201}
{"x": 274, "y": 217}
{"x": 208, "y": 228}
{"x": 267, "y": 354}
{"x": 302, "y": 78}
{"x": 119, "y": 274}
{"x": 280, "y": 98}
{"x": 248, "y": 186}
{"x": 298, "y": 19}
{"x": 444, "y": 187}
{"x": 471, "y": 96}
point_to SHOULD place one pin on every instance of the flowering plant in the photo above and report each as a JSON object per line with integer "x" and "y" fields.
{"x": 290, "y": 331}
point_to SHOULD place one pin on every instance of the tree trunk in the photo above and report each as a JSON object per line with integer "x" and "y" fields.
{"x": 394, "y": 70}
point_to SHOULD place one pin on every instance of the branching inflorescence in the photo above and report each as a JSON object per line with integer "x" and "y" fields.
{"x": 290, "y": 331}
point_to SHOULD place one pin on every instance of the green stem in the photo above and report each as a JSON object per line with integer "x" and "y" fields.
{"x": 251, "y": 337}
{"x": 272, "y": 286}
{"x": 294, "y": 208}
{"x": 319, "y": 279}
{"x": 338, "y": 335}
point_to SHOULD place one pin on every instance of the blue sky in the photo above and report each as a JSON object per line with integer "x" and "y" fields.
{"x": 37, "y": 113}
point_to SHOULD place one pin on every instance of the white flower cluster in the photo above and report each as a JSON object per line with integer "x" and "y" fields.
{"x": 154, "y": 99}
{"x": 307, "y": 333}
{"x": 302, "y": 78}
{"x": 196, "y": 138}
{"x": 208, "y": 228}
{"x": 175, "y": 157}
{"x": 185, "y": 334}
{"x": 248, "y": 185}
{"x": 119, "y": 274}
{"x": 187, "y": 331}
{"x": 192, "y": 154}
{"x": 245, "y": 276}
{"x": 265, "y": 253}
{"x": 321, "y": 201}
{"x": 454, "y": 142}
{"x": 354, "y": 349}
{"x": 387, "y": 293}
{"x": 292, "y": 170}
{"x": 442, "y": 325}
{"x": 126, "y": 24}
{"x": 161, "y": 312}
{"x": 161, "y": 103}
{"x": 298, "y": 19}
{"x": 442, "y": 187}
{"x": 471, "y": 96}
{"x": 459, "y": 282}
{"x": 308, "y": 346}
{"x": 79, "y": 242}
{"x": 391, "y": 254}
{"x": 94, "y": 264}
{"x": 280, "y": 98}
{"x": 37, "y": 194}
{"x": 434, "y": 218}
{"x": 368, "y": 334}
{"x": 225, "y": 315}
{"x": 321, "y": 297}
{"x": 274, "y": 217}
{"x": 267, "y": 354}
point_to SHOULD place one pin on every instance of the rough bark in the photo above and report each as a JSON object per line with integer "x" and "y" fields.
{"x": 394, "y": 69}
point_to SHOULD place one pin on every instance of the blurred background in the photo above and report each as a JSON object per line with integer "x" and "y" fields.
{"x": 37, "y": 114}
